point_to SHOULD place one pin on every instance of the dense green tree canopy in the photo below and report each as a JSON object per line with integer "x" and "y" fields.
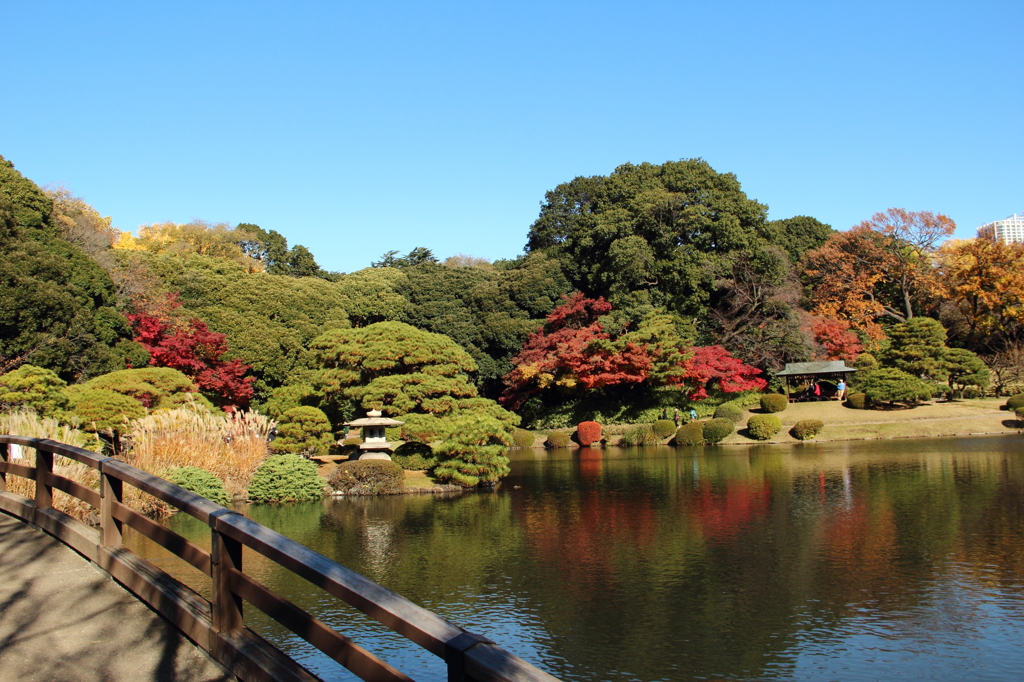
{"x": 269, "y": 320}
{"x": 649, "y": 236}
{"x": 413, "y": 375}
{"x": 58, "y": 308}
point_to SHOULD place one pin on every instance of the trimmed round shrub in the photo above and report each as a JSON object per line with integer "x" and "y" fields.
{"x": 664, "y": 428}
{"x": 414, "y": 456}
{"x": 715, "y": 430}
{"x": 690, "y": 434}
{"x": 103, "y": 410}
{"x": 1015, "y": 401}
{"x": 1019, "y": 413}
{"x": 806, "y": 429}
{"x": 303, "y": 431}
{"x": 730, "y": 411}
{"x": 200, "y": 482}
{"x": 558, "y": 439}
{"x": 523, "y": 438}
{"x": 286, "y": 478}
{"x": 973, "y": 393}
{"x": 640, "y": 434}
{"x": 857, "y": 401}
{"x": 774, "y": 402}
{"x": 34, "y": 387}
{"x": 367, "y": 477}
{"x": 763, "y": 426}
{"x": 588, "y": 433}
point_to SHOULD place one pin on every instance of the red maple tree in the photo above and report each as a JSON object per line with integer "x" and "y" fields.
{"x": 572, "y": 351}
{"x": 196, "y": 352}
{"x": 709, "y": 366}
{"x": 837, "y": 340}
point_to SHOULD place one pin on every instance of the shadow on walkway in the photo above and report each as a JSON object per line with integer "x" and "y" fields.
{"x": 63, "y": 619}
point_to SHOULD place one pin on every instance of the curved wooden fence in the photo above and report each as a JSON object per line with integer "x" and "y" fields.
{"x": 218, "y": 626}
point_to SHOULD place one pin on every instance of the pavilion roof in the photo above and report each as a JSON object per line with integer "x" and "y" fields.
{"x": 811, "y": 368}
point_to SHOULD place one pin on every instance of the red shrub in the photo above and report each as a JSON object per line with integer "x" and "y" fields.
{"x": 588, "y": 433}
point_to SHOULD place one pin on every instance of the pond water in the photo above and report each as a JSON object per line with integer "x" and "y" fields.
{"x": 830, "y": 561}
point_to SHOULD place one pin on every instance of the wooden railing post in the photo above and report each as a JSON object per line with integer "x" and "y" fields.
{"x": 44, "y": 492}
{"x": 111, "y": 493}
{"x": 5, "y": 456}
{"x": 225, "y": 554}
{"x": 455, "y": 654}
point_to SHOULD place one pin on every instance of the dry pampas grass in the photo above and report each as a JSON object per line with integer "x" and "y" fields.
{"x": 27, "y": 423}
{"x": 230, "y": 447}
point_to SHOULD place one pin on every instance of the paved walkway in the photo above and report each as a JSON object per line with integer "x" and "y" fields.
{"x": 63, "y": 620}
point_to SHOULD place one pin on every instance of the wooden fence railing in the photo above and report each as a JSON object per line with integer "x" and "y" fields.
{"x": 218, "y": 626}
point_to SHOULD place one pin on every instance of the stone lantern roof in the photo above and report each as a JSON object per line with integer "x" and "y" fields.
{"x": 374, "y": 418}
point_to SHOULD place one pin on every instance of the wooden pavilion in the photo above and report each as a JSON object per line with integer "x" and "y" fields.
{"x": 803, "y": 374}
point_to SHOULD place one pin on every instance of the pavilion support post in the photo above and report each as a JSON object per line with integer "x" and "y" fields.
{"x": 4, "y": 457}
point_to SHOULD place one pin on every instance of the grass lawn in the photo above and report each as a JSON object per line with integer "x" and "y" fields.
{"x": 962, "y": 417}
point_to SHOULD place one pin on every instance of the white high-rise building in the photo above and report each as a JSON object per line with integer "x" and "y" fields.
{"x": 1008, "y": 230}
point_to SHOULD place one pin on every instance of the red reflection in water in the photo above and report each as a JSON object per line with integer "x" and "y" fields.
{"x": 724, "y": 515}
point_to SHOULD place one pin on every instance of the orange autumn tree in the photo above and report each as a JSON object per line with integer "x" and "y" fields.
{"x": 876, "y": 270}
{"x": 981, "y": 286}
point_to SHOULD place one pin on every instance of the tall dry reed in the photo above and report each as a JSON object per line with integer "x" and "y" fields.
{"x": 230, "y": 446}
{"x": 29, "y": 424}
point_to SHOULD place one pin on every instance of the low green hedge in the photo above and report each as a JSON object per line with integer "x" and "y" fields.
{"x": 763, "y": 426}
{"x": 414, "y": 456}
{"x": 774, "y": 402}
{"x": 730, "y": 411}
{"x": 690, "y": 434}
{"x": 806, "y": 429}
{"x": 857, "y": 401}
{"x": 558, "y": 439}
{"x": 367, "y": 477}
{"x": 1015, "y": 401}
{"x": 286, "y": 478}
{"x": 664, "y": 428}
{"x": 201, "y": 482}
{"x": 523, "y": 438}
{"x": 717, "y": 429}
{"x": 640, "y": 434}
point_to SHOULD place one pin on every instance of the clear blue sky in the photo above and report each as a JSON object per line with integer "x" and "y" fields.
{"x": 359, "y": 127}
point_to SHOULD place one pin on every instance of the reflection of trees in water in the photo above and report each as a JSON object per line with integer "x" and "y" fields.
{"x": 719, "y": 562}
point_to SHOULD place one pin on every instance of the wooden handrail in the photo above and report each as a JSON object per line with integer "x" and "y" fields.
{"x": 218, "y": 626}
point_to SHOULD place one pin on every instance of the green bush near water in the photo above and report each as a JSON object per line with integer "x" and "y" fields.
{"x": 690, "y": 434}
{"x": 1015, "y": 401}
{"x": 201, "y": 482}
{"x": 806, "y": 429}
{"x": 367, "y": 477}
{"x": 558, "y": 439}
{"x": 523, "y": 438}
{"x": 763, "y": 426}
{"x": 640, "y": 434}
{"x": 664, "y": 428}
{"x": 286, "y": 478}
{"x": 717, "y": 429}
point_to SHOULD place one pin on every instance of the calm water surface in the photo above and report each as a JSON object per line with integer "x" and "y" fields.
{"x": 833, "y": 561}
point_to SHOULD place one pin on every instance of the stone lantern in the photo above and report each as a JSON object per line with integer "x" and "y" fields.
{"x": 375, "y": 444}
